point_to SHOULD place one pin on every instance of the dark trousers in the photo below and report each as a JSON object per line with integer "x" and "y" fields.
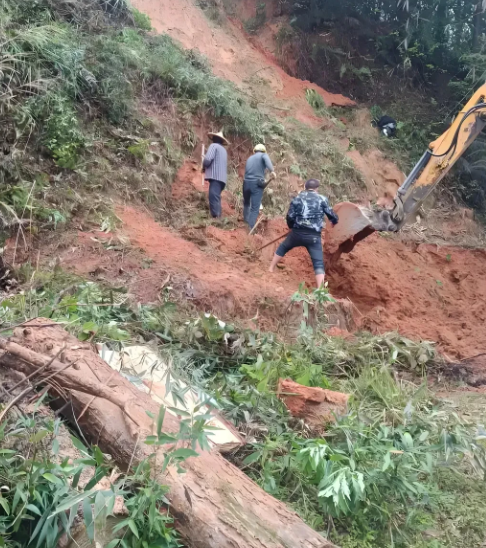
{"x": 215, "y": 190}
{"x": 252, "y": 200}
{"x": 311, "y": 240}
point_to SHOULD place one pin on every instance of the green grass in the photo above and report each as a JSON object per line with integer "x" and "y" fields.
{"x": 399, "y": 467}
{"x": 72, "y": 80}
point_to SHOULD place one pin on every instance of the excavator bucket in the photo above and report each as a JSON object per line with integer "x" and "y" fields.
{"x": 355, "y": 224}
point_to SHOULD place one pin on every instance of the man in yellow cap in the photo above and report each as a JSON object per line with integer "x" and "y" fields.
{"x": 254, "y": 183}
{"x": 215, "y": 166}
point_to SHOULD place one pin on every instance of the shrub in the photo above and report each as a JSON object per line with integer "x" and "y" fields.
{"x": 62, "y": 135}
{"x": 253, "y": 24}
{"x": 142, "y": 20}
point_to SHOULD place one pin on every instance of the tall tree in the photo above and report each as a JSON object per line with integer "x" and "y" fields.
{"x": 478, "y": 24}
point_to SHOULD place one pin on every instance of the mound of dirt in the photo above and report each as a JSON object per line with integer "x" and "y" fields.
{"x": 422, "y": 291}
{"x": 382, "y": 177}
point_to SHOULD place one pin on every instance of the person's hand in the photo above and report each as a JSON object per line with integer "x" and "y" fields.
{"x": 273, "y": 175}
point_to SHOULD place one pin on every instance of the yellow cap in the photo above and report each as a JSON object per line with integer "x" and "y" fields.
{"x": 260, "y": 148}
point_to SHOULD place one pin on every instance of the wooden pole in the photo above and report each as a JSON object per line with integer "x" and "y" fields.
{"x": 256, "y": 224}
{"x": 202, "y": 164}
{"x": 273, "y": 241}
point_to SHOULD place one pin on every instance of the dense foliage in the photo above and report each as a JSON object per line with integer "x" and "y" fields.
{"x": 418, "y": 61}
{"x": 397, "y": 467}
{"x": 431, "y": 37}
{"x": 43, "y": 490}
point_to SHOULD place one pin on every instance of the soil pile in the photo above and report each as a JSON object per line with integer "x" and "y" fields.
{"x": 422, "y": 291}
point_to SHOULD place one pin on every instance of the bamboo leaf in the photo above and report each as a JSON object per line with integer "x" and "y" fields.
{"x": 160, "y": 420}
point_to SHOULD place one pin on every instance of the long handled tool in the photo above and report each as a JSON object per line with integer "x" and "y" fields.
{"x": 273, "y": 241}
{"x": 202, "y": 165}
{"x": 261, "y": 217}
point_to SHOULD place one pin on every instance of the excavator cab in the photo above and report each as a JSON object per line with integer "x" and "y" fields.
{"x": 358, "y": 222}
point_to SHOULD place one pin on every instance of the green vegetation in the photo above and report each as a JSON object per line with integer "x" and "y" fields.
{"x": 213, "y": 10}
{"x": 255, "y": 23}
{"x": 320, "y": 157}
{"x": 399, "y": 467}
{"x": 41, "y": 490}
{"x": 71, "y": 77}
{"x": 419, "y": 61}
{"x": 427, "y": 38}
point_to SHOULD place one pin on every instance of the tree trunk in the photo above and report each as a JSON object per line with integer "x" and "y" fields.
{"x": 214, "y": 503}
{"x": 477, "y": 25}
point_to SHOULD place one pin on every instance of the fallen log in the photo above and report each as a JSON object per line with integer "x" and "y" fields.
{"x": 215, "y": 505}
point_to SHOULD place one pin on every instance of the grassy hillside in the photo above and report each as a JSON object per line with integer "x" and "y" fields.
{"x": 95, "y": 109}
{"x": 94, "y": 104}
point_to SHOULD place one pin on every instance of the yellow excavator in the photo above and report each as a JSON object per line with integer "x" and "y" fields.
{"x": 356, "y": 222}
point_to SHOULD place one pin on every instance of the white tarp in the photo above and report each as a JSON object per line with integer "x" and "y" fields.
{"x": 144, "y": 368}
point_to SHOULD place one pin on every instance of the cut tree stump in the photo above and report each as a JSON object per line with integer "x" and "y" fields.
{"x": 316, "y": 406}
{"x": 215, "y": 505}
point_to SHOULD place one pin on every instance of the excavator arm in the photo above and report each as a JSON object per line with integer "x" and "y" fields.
{"x": 356, "y": 223}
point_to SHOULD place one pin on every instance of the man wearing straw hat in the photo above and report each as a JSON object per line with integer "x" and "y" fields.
{"x": 215, "y": 165}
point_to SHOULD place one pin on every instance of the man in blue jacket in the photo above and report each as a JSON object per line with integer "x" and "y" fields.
{"x": 215, "y": 165}
{"x": 254, "y": 183}
{"x": 305, "y": 218}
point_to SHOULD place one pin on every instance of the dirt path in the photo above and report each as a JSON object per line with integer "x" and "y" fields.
{"x": 222, "y": 274}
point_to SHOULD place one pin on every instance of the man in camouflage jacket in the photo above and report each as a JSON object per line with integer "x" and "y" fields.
{"x": 305, "y": 218}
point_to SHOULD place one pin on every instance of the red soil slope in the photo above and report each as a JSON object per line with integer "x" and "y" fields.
{"x": 422, "y": 291}
{"x": 234, "y": 58}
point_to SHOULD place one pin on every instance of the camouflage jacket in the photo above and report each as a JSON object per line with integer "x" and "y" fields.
{"x": 307, "y": 211}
